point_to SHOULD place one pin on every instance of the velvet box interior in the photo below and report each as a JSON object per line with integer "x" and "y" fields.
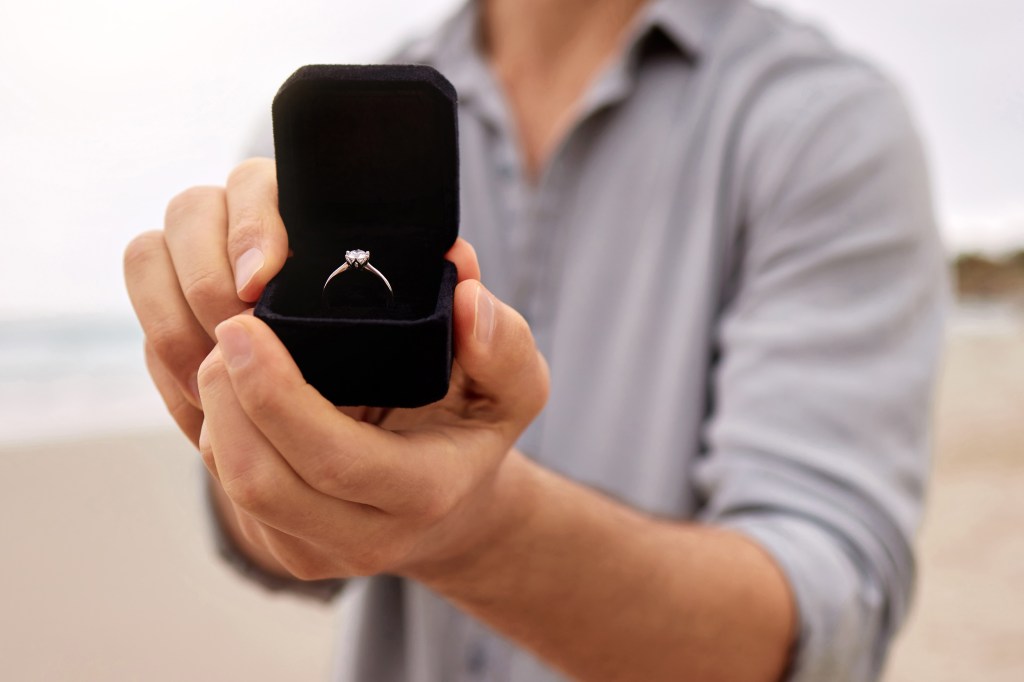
{"x": 367, "y": 158}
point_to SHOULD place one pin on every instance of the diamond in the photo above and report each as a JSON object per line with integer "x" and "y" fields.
{"x": 357, "y": 257}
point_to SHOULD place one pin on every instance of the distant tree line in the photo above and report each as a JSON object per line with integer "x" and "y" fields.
{"x": 981, "y": 276}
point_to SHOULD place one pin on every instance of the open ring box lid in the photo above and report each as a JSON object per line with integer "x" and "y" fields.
{"x": 367, "y": 158}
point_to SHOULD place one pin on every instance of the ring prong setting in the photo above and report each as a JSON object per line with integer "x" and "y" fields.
{"x": 357, "y": 258}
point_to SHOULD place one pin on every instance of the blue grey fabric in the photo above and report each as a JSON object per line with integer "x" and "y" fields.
{"x": 732, "y": 266}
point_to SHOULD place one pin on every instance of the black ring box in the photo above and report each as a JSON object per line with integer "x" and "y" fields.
{"x": 367, "y": 158}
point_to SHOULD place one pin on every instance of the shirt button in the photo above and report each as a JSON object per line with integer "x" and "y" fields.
{"x": 476, "y": 659}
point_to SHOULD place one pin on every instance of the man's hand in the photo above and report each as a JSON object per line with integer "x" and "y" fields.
{"x": 330, "y": 496}
{"x": 369, "y": 498}
{"x": 436, "y": 494}
{"x": 218, "y": 249}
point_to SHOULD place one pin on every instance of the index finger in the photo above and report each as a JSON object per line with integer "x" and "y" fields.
{"x": 333, "y": 453}
{"x": 463, "y": 255}
{"x": 257, "y": 240}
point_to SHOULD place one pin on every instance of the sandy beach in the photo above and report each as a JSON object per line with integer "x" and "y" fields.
{"x": 108, "y": 573}
{"x": 967, "y": 621}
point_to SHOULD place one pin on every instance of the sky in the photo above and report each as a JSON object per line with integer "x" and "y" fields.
{"x": 110, "y": 107}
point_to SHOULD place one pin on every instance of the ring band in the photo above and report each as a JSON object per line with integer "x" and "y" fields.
{"x": 357, "y": 259}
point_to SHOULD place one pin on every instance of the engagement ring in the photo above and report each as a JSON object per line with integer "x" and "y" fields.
{"x": 357, "y": 259}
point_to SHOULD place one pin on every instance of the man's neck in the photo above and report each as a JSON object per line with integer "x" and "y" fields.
{"x": 540, "y": 33}
{"x": 545, "y": 54}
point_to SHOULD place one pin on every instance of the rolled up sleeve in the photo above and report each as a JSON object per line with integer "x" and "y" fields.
{"x": 817, "y": 445}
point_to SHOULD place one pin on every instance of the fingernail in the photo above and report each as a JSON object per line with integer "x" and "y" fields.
{"x": 193, "y": 386}
{"x": 235, "y": 344}
{"x": 246, "y": 267}
{"x": 204, "y": 439}
{"x": 484, "y": 327}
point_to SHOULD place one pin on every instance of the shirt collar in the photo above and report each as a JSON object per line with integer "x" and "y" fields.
{"x": 454, "y": 48}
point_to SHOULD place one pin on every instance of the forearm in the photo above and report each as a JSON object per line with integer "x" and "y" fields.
{"x": 606, "y": 593}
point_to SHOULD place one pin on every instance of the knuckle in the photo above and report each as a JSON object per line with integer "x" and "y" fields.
{"x": 210, "y": 373}
{"x": 247, "y": 224}
{"x": 171, "y": 345}
{"x": 436, "y": 506}
{"x": 181, "y": 411}
{"x": 260, "y": 399}
{"x": 305, "y": 565}
{"x": 207, "y": 287}
{"x": 208, "y": 459}
{"x": 333, "y": 476}
{"x": 249, "y": 527}
{"x": 246, "y": 170}
{"x": 185, "y": 203}
{"x": 251, "y": 490}
{"x": 141, "y": 249}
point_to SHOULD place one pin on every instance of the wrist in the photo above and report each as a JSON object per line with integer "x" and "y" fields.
{"x": 494, "y": 525}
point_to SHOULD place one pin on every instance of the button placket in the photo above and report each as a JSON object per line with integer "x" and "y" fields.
{"x": 476, "y": 659}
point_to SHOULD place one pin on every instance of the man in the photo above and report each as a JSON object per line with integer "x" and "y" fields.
{"x": 719, "y": 230}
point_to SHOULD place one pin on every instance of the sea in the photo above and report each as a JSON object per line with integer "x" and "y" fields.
{"x": 68, "y": 378}
{"x": 76, "y": 377}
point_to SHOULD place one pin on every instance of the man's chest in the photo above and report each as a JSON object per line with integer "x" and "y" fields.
{"x": 619, "y": 262}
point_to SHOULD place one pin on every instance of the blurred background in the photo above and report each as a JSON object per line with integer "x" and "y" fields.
{"x": 110, "y": 107}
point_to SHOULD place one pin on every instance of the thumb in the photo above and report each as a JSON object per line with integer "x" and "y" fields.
{"x": 496, "y": 350}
